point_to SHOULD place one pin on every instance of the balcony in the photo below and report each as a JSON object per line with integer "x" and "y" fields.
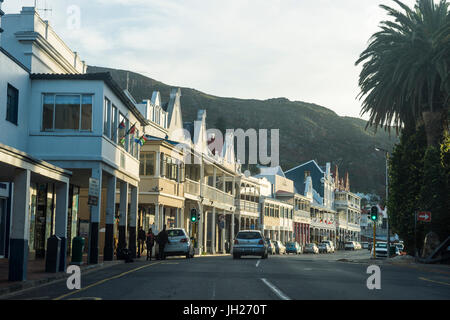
{"x": 192, "y": 187}
{"x": 217, "y": 195}
{"x": 248, "y": 206}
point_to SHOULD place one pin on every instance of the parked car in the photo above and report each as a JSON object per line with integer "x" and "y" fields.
{"x": 380, "y": 249}
{"x": 324, "y": 248}
{"x": 330, "y": 243}
{"x": 271, "y": 246}
{"x": 349, "y": 245}
{"x": 179, "y": 244}
{"x": 250, "y": 243}
{"x": 357, "y": 245}
{"x": 280, "y": 248}
{"x": 365, "y": 245}
{"x": 311, "y": 248}
{"x": 293, "y": 247}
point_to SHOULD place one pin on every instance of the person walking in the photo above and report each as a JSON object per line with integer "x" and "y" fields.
{"x": 163, "y": 239}
{"x": 150, "y": 239}
{"x": 141, "y": 241}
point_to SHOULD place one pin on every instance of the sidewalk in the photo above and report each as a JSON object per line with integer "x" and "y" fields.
{"x": 36, "y": 275}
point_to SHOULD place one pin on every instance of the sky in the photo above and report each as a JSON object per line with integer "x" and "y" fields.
{"x": 303, "y": 50}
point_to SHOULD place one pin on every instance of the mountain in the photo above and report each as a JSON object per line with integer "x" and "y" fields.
{"x": 307, "y": 131}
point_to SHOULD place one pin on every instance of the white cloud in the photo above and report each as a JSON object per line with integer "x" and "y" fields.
{"x": 302, "y": 50}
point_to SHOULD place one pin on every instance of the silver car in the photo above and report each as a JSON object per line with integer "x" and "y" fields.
{"x": 250, "y": 243}
{"x": 179, "y": 244}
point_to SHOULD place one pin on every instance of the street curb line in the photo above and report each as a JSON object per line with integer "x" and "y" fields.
{"x": 30, "y": 284}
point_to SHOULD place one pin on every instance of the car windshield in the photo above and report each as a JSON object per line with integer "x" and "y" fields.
{"x": 248, "y": 235}
{"x": 175, "y": 233}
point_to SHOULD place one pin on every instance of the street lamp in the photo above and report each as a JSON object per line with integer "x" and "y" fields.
{"x": 387, "y": 184}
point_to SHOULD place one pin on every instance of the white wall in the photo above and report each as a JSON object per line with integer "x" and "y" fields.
{"x": 13, "y": 135}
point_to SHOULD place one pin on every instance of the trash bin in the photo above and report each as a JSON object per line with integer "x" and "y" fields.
{"x": 77, "y": 250}
{"x": 53, "y": 254}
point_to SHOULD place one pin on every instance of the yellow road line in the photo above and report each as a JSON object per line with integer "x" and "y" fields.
{"x": 103, "y": 281}
{"x": 425, "y": 279}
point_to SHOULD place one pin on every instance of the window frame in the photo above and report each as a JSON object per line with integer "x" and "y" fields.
{"x": 15, "y": 107}
{"x": 80, "y": 95}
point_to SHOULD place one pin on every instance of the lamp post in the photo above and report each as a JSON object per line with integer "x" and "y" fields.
{"x": 387, "y": 186}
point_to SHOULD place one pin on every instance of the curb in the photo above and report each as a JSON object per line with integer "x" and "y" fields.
{"x": 28, "y": 284}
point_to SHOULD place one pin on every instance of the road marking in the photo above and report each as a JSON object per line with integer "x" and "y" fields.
{"x": 103, "y": 281}
{"x": 425, "y": 279}
{"x": 275, "y": 290}
{"x": 170, "y": 263}
{"x": 258, "y": 263}
{"x": 307, "y": 269}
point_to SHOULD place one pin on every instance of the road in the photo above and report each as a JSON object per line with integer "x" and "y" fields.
{"x": 285, "y": 277}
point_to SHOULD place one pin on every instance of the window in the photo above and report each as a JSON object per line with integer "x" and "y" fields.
{"x": 107, "y": 118}
{"x": 147, "y": 164}
{"x": 67, "y": 112}
{"x": 12, "y": 104}
{"x": 115, "y": 124}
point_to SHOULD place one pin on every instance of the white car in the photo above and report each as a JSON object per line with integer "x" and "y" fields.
{"x": 349, "y": 245}
{"x": 179, "y": 244}
{"x": 330, "y": 243}
{"x": 357, "y": 245}
{"x": 380, "y": 249}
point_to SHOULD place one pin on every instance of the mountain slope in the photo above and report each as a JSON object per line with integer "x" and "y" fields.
{"x": 307, "y": 131}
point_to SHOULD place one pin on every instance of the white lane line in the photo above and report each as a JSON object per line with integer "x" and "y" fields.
{"x": 258, "y": 263}
{"x": 275, "y": 290}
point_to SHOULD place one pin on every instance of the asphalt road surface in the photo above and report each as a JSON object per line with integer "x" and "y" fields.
{"x": 285, "y": 277}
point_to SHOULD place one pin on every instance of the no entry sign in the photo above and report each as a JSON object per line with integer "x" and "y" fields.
{"x": 424, "y": 216}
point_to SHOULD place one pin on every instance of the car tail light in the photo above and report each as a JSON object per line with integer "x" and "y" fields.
{"x": 261, "y": 242}
{"x": 184, "y": 240}
{"x": 236, "y": 242}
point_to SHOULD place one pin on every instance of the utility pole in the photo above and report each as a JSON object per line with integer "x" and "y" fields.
{"x": 374, "y": 239}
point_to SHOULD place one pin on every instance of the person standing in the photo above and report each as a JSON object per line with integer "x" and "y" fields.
{"x": 163, "y": 239}
{"x": 150, "y": 239}
{"x": 141, "y": 241}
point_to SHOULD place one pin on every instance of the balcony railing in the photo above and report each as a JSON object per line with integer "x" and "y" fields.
{"x": 215, "y": 194}
{"x": 245, "y": 205}
{"x": 192, "y": 187}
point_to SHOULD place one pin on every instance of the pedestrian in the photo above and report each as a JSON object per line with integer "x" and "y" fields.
{"x": 163, "y": 239}
{"x": 141, "y": 241}
{"x": 150, "y": 239}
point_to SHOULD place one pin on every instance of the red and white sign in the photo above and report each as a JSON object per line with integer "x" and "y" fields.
{"x": 424, "y": 216}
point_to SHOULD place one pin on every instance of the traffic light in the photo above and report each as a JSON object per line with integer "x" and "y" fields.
{"x": 374, "y": 213}
{"x": 194, "y": 216}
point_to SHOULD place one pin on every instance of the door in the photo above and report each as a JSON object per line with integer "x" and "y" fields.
{"x": 2, "y": 227}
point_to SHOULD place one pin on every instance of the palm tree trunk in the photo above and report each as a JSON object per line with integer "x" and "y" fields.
{"x": 434, "y": 126}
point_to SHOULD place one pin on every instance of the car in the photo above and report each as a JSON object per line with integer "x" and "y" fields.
{"x": 179, "y": 244}
{"x": 279, "y": 247}
{"x": 365, "y": 245}
{"x": 250, "y": 243}
{"x": 311, "y": 248}
{"x": 380, "y": 249}
{"x": 330, "y": 243}
{"x": 293, "y": 247}
{"x": 324, "y": 247}
{"x": 271, "y": 246}
{"x": 349, "y": 245}
{"x": 357, "y": 245}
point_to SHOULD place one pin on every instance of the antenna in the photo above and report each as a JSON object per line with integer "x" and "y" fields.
{"x": 45, "y": 9}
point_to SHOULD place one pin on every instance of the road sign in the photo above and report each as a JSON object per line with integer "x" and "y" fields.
{"x": 424, "y": 216}
{"x": 94, "y": 192}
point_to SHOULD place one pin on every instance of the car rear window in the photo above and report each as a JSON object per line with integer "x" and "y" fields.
{"x": 175, "y": 233}
{"x": 310, "y": 245}
{"x": 248, "y": 235}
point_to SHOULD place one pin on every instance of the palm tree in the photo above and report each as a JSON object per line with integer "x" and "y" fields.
{"x": 405, "y": 75}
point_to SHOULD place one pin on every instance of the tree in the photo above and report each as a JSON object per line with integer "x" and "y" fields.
{"x": 405, "y": 75}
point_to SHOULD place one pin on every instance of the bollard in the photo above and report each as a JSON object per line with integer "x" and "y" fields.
{"x": 77, "y": 250}
{"x": 52, "y": 255}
